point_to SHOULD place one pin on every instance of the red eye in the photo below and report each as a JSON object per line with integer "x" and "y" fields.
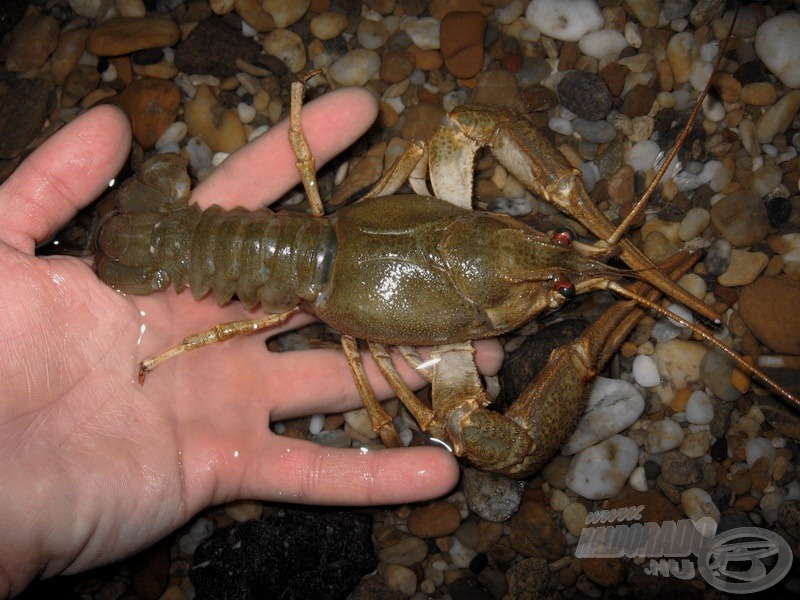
{"x": 562, "y": 237}
{"x": 564, "y": 287}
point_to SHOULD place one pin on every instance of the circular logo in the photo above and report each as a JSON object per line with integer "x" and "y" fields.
{"x": 734, "y": 564}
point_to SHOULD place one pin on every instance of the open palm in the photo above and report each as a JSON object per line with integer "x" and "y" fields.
{"x": 94, "y": 466}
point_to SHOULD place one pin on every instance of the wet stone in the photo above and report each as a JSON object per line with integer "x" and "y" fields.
{"x": 764, "y": 306}
{"x": 534, "y": 533}
{"x": 434, "y": 520}
{"x": 528, "y": 578}
{"x": 638, "y": 101}
{"x": 124, "y": 35}
{"x": 24, "y": 106}
{"x": 151, "y": 105}
{"x": 212, "y": 48}
{"x": 585, "y": 94}
{"x": 679, "y": 469}
{"x": 32, "y": 42}
{"x": 461, "y": 39}
{"x": 741, "y": 218}
{"x": 492, "y": 497}
{"x": 718, "y": 257}
{"x": 299, "y": 555}
{"x": 597, "y": 132}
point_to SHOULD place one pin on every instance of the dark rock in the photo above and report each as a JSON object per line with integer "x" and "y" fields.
{"x": 779, "y": 210}
{"x": 149, "y": 56}
{"x": 11, "y": 12}
{"x": 24, "y": 106}
{"x": 213, "y": 47}
{"x": 585, "y": 94}
{"x": 296, "y": 556}
{"x": 467, "y": 588}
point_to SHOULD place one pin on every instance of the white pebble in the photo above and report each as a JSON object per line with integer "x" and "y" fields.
{"x": 316, "y": 424}
{"x": 662, "y": 436}
{"x": 246, "y": 112}
{"x": 424, "y": 32}
{"x": 559, "y": 125}
{"x": 613, "y": 406}
{"x": 287, "y": 46}
{"x": 567, "y": 20}
{"x": 356, "y": 67}
{"x": 694, "y": 223}
{"x": 645, "y": 371}
{"x": 638, "y": 479}
{"x": 606, "y": 42}
{"x": 172, "y": 135}
{"x": 681, "y": 311}
{"x": 372, "y": 34}
{"x": 778, "y": 46}
{"x": 643, "y": 155}
{"x": 699, "y": 408}
{"x": 601, "y": 471}
{"x": 759, "y": 447}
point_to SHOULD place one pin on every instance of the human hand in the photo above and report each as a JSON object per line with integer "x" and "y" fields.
{"x": 94, "y": 466}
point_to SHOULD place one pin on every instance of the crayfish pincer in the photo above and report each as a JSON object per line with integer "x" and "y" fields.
{"x": 402, "y": 270}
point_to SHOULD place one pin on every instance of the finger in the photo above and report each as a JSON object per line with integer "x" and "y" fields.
{"x": 264, "y": 169}
{"x": 61, "y": 176}
{"x": 305, "y": 472}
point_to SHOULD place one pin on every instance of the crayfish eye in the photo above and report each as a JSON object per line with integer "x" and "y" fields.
{"x": 563, "y": 237}
{"x": 564, "y": 287}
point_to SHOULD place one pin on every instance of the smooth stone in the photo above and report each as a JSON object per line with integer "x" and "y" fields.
{"x": 718, "y": 257}
{"x": 601, "y": 471}
{"x": 288, "y": 47}
{"x": 699, "y": 408}
{"x": 492, "y": 497}
{"x": 574, "y": 516}
{"x": 528, "y": 578}
{"x": 497, "y": 87}
{"x": 645, "y": 371}
{"x": 645, "y": 11}
{"x": 777, "y": 44}
{"x": 400, "y": 579}
{"x": 372, "y": 34}
{"x": 679, "y": 364}
{"x": 585, "y": 94}
{"x": 286, "y": 13}
{"x": 152, "y": 105}
{"x": 461, "y": 40}
{"x": 87, "y": 8}
{"x": 716, "y": 369}
{"x": 596, "y": 132}
{"x": 766, "y": 180}
{"x": 741, "y": 218}
{"x": 694, "y": 223}
{"x": 534, "y": 533}
{"x": 24, "y": 107}
{"x": 567, "y": 21}
{"x": 698, "y": 504}
{"x": 637, "y": 103}
{"x": 759, "y": 447}
{"x": 356, "y": 67}
{"x": 124, "y": 35}
{"x": 696, "y": 444}
{"x": 218, "y": 126}
{"x": 764, "y": 306}
{"x": 681, "y": 52}
{"x": 744, "y": 268}
{"x": 662, "y": 436}
{"x": 32, "y": 42}
{"x": 424, "y": 32}
{"x": 679, "y": 469}
{"x": 252, "y": 12}
{"x": 328, "y": 25}
{"x": 599, "y": 44}
{"x": 434, "y": 520}
{"x": 778, "y": 117}
{"x": 759, "y": 93}
{"x": 67, "y": 54}
{"x": 80, "y": 82}
{"x": 613, "y": 406}
{"x": 406, "y": 551}
{"x": 213, "y": 47}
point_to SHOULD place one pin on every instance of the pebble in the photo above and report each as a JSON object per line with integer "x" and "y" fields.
{"x": 24, "y": 107}
{"x": 218, "y": 126}
{"x": 757, "y": 448}
{"x": 596, "y": 132}
{"x": 613, "y": 406}
{"x": 287, "y": 46}
{"x": 567, "y": 21}
{"x": 699, "y": 408}
{"x": 759, "y": 93}
{"x": 152, "y": 105}
{"x": 764, "y": 305}
{"x": 356, "y": 67}
{"x": 698, "y": 504}
{"x": 638, "y": 479}
{"x": 777, "y": 44}
{"x": 328, "y": 25}
{"x": 125, "y": 35}
{"x": 718, "y": 257}
{"x": 778, "y": 117}
{"x": 252, "y": 12}
{"x": 599, "y": 44}
{"x": 406, "y": 551}
{"x": 528, "y": 578}
{"x": 492, "y": 497}
{"x": 645, "y": 371}
{"x": 400, "y": 579}
{"x": 534, "y": 533}
{"x": 574, "y": 516}
{"x": 213, "y": 48}
{"x": 601, "y": 471}
{"x": 585, "y": 94}
{"x": 637, "y": 103}
{"x": 693, "y": 223}
{"x": 662, "y": 436}
{"x": 461, "y": 39}
{"x": 679, "y": 469}
{"x": 434, "y": 520}
{"x": 741, "y": 218}
{"x": 372, "y": 34}
{"x": 286, "y": 13}
{"x": 716, "y": 370}
{"x": 681, "y": 52}
{"x": 424, "y": 32}
{"x": 32, "y": 42}
{"x": 744, "y": 268}
{"x": 696, "y": 444}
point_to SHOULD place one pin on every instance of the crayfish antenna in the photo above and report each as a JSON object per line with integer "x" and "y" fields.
{"x": 709, "y": 337}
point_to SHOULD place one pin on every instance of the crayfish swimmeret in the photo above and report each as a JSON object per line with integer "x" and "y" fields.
{"x": 407, "y": 270}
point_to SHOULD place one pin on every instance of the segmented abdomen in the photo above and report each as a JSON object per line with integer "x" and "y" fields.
{"x": 278, "y": 259}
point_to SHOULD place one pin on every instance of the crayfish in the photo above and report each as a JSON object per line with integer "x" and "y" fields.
{"x": 409, "y": 270}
